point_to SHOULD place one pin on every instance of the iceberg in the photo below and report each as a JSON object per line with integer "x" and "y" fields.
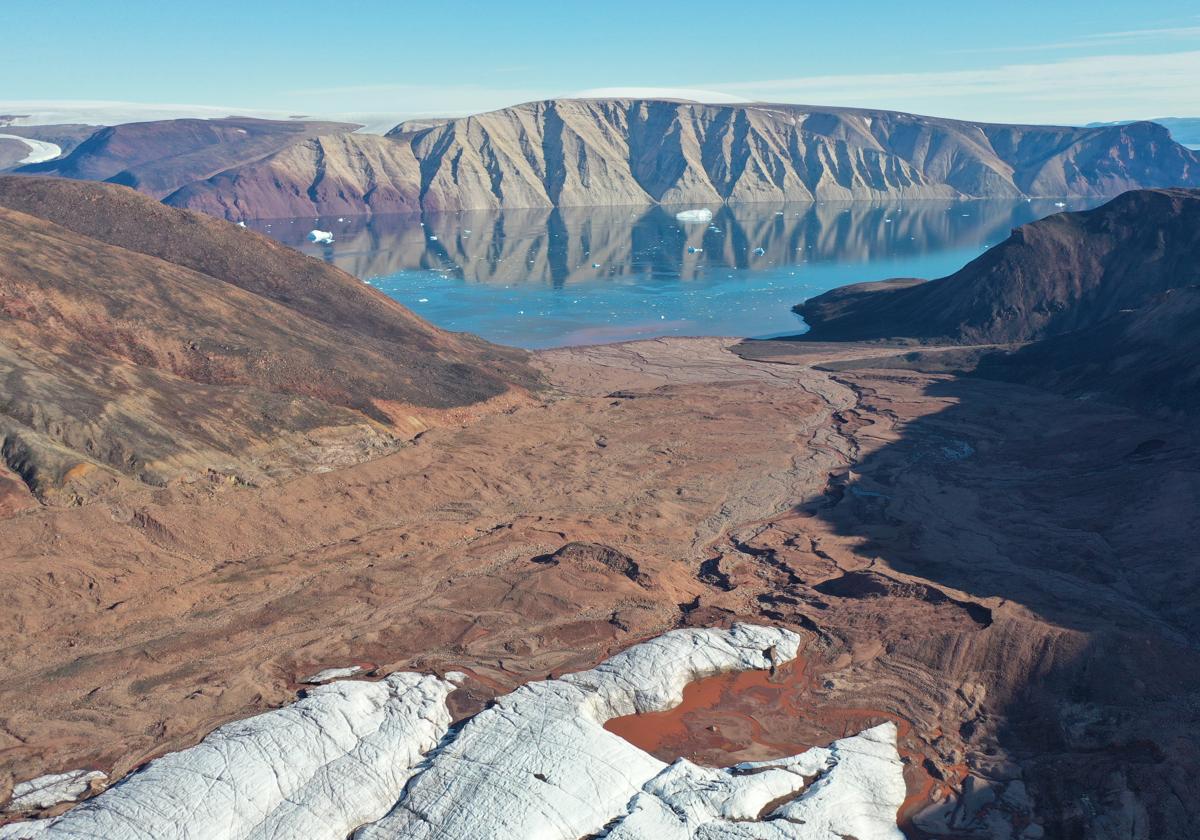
{"x": 321, "y": 237}
{"x": 702, "y": 215}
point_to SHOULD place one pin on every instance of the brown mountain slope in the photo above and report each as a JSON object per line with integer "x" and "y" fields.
{"x": 592, "y": 152}
{"x": 142, "y": 341}
{"x": 161, "y": 156}
{"x": 1063, "y": 273}
{"x": 1148, "y": 358}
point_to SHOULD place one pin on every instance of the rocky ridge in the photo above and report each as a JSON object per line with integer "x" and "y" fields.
{"x": 601, "y": 152}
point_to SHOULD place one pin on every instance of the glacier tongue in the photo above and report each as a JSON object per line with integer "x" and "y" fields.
{"x": 378, "y": 757}
{"x": 334, "y": 760}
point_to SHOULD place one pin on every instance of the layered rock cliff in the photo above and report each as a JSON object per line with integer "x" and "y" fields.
{"x": 637, "y": 152}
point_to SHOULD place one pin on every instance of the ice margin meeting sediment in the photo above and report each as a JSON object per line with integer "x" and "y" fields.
{"x": 379, "y": 760}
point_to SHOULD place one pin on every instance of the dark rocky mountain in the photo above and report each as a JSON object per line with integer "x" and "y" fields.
{"x": 1146, "y": 358}
{"x": 159, "y": 157}
{"x": 1067, "y": 272}
{"x": 140, "y": 341}
{"x": 594, "y": 152}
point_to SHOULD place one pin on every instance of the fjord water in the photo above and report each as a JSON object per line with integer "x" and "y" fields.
{"x": 546, "y": 278}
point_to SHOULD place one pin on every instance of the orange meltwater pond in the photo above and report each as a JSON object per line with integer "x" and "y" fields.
{"x": 757, "y": 715}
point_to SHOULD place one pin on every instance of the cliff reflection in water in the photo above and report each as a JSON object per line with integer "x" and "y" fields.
{"x": 624, "y": 272}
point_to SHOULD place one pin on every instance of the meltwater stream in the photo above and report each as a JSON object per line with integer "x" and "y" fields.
{"x": 547, "y": 278}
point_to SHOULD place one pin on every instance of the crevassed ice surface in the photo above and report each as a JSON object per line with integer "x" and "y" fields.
{"x": 377, "y": 759}
{"x": 586, "y": 275}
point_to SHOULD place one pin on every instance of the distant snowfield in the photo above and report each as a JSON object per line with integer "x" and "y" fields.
{"x": 118, "y": 113}
{"x": 377, "y": 760}
{"x": 39, "y": 150}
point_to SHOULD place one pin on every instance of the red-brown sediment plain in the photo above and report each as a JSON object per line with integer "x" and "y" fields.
{"x": 1004, "y": 571}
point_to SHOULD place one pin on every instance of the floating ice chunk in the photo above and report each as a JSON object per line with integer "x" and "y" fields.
{"x": 341, "y": 219}
{"x": 595, "y": 265}
{"x": 45, "y": 791}
{"x": 241, "y": 224}
{"x": 433, "y": 239}
{"x": 1060, "y": 204}
{"x": 321, "y": 237}
{"x": 422, "y": 300}
{"x": 39, "y": 150}
{"x": 692, "y": 249}
{"x": 759, "y": 252}
{"x": 702, "y": 215}
{"x": 331, "y": 674}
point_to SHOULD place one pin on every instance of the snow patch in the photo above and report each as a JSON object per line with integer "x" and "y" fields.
{"x": 330, "y": 674}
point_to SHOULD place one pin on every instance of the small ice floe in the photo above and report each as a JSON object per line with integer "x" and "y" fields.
{"x": 759, "y": 252}
{"x": 321, "y": 237}
{"x": 47, "y": 791}
{"x": 241, "y": 224}
{"x": 330, "y": 674}
{"x": 340, "y": 219}
{"x": 692, "y": 249}
{"x": 1060, "y": 204}
{"x": 701, "y": 215}
{"x": 422, "y": 300}
{"x": 595, "y": 265}
{"x": 433, "y": 239}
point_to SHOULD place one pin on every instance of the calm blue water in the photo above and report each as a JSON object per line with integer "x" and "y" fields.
{"x": 540, "y": 278}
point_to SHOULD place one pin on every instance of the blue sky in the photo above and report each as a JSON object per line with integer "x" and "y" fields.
{"x": 1047, "y": 61}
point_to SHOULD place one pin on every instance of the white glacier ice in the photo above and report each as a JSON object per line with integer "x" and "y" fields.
{"x": 45, "y": 791}
{"x": 377, "y": 760}
{"x": 703, "y": 215}
{"x": 39, "y": 150}
{"x": 321, "y": 237}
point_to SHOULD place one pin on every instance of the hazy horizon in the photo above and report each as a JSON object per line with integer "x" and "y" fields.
{"x": 1082, "y": 63}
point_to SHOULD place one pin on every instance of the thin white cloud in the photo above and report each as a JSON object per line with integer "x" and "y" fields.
{"x": 689, "y": 94}
{"x": 1084, "y": 89}
{"x": 1097, "y": 40}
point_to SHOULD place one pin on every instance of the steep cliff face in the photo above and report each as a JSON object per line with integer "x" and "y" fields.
{"x": 635, "y": 152}
{"x": 335, "y": 174}
{"x": 1066, "y": 272}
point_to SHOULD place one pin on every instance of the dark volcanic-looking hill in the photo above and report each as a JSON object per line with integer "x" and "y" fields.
{"x": 1066, "y": 272}
{"x": 591, "y": 152}
{"x": 148, "y": 342}
{"x": 161, "y": 156}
